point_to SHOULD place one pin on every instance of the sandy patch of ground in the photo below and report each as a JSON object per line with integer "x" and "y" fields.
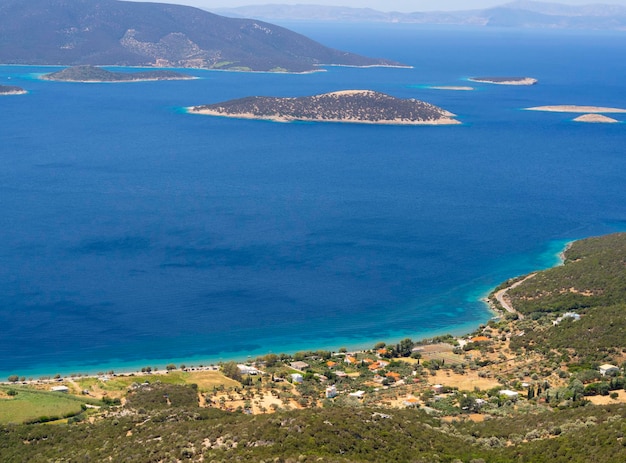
{"x": 466, "y": 382}
{"x": 606, "y": 400}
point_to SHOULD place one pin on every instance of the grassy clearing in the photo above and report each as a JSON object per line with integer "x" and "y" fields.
{"x": 30, "y": 404}
{"x": 206, "y": 381}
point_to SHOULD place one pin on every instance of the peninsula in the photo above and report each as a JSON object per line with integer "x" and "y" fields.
{"x": 96, "y": 74}
{"x": 147, "y": 34}
{"x": 505, "y": 80}
{"x": 11, "y": 90}
{"x": 354, "y": 106}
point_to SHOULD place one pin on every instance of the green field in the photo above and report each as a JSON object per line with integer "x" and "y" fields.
{"x": 30, "y": 405}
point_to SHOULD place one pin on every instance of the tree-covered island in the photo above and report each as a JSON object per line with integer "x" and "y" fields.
{"x": 11, "y": 90}
{"x": 544, "y": 381}
{"x": 87, "y": 73}
{"x": 355, "y": 106}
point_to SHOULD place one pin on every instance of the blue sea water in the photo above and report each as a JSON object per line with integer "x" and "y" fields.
{"x": 134, "y": 234}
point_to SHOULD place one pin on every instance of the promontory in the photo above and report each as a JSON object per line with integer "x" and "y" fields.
{"x": 96, "y": 74}
{"x": 354, "y": 106}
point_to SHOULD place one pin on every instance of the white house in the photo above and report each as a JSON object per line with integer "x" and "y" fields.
{"x": 331, "y": 392}
{"x": 247, "y": 370}
{"x": 297, "y": 378}
{"x": 357, "y": 394}
{"x": 608, "y": 369}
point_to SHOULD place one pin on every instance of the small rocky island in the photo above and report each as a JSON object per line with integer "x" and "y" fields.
{"x": 96, "y": 74}
{"x": 355, "y": 106}
{"x": 505, "y": 80}
{"x": 11, "y": 90}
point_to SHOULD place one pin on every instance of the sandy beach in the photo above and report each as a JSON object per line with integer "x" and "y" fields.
{"x": 576, "y": 109}
{"x": 512, "y": 81}
{"x": 451, "y": 87}
{"x": 595, "y": 119}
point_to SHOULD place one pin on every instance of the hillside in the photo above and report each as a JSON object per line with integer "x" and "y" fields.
{"x": 357, "y": 106}
{"x": 486, "y": 397}
{"x": 112, "y": 32}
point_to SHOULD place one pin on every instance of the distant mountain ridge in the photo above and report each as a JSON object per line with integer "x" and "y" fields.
{"x": 112, "y": 32}
{"x": 521, "y": 13}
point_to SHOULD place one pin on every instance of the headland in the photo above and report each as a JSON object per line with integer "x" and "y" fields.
{"x": 351, "y": 106}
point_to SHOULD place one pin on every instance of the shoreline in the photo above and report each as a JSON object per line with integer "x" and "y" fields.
{"x": 447, "y": 120}
{"x": 119, "y": 368}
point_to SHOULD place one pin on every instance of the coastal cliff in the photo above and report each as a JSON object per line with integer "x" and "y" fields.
{"x": 355, "y": 106}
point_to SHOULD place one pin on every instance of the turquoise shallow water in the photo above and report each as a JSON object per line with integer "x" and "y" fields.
{"x": 134, "y": 234}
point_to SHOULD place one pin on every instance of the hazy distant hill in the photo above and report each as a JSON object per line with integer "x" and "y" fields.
{"x": 106, "y": 32}
{"x": 520, "y": 13}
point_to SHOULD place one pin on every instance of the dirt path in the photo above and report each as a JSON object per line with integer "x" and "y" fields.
{"x": 502, "y": 298}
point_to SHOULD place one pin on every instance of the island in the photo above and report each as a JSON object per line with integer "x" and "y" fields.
{"x": 88, "y": 73}
{"x": 595, "y": 118}
{"x": 576, "y": 109}
{"x": 457, "y": 88}
{"x": 354, "y": 106}
{"x": 11, "y": 90}
{"x": 505, "y": 80}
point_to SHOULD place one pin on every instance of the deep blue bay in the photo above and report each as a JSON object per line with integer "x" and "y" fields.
{"x": 135, "y": 234}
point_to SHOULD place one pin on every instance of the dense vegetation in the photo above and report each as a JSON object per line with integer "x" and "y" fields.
{"x": 10, "y": 89}
{"x": 164, "y": 423}
{"x": 96, "y": 74}
{"x": 592, "y": 284}
{"x": 350, "y": 106}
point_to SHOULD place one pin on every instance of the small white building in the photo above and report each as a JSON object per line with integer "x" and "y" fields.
{"x": 247, "y": 370}
{"x": 357, "y": 394}
{"x": 509, "y": 393}
{"x": 297, "y": 378}
{"x": 63, "y": 389}
{"x": 331, "y": 392}
{"x": 608, "y": 369}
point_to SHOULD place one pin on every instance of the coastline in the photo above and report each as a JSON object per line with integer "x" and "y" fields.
{"x": 448, "y": 120}
{"x": 119, "y": 367}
